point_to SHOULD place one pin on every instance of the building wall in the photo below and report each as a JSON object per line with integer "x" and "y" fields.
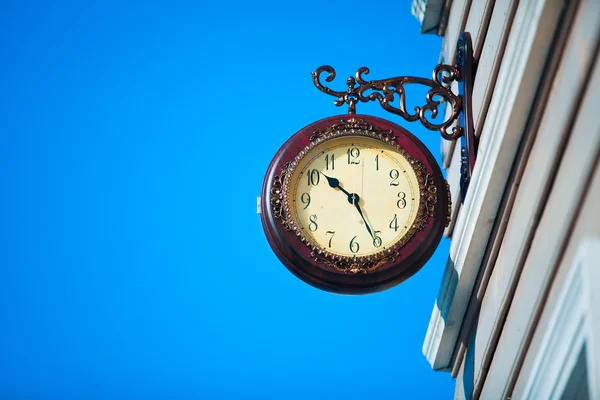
{"x": 534, "y": 194}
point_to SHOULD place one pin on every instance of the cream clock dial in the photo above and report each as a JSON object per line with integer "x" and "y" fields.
{"x": 354, "y": 196}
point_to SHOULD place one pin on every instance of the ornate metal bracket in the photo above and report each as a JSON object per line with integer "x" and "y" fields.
{"x": 385, "y": 91}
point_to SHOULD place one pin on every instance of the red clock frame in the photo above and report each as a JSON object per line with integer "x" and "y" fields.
{"x": 296, "y": 255}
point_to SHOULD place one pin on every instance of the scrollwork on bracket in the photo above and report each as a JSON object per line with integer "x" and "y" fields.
{"x": 385, "y": 91}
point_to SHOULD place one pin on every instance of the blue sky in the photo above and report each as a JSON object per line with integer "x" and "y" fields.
{"x": 135, "y": 138}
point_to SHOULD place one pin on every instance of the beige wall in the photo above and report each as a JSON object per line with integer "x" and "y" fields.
{"x": 531, "y": 200}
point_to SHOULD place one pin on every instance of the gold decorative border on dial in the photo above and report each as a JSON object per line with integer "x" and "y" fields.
{"x": 280, "y": 200}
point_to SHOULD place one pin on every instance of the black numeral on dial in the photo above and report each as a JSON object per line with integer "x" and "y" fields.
{"x": 354, "y": 246}
{"x": 377, "y": 240}
{"x": 329, "y": 160}
{"x": 353, "y": 155}
{"x": 313, "y": 177}
{"x": 394, "y": 174}
{"x": 332, "y": 233}
{"x": 312, "y": 226}
{"x": 402, "y": 202}
{"x": 305, "y": 199}
{"x": 394, "y": 223}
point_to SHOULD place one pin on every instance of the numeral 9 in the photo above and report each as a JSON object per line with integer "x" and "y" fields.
{"x": 305, "y": 199}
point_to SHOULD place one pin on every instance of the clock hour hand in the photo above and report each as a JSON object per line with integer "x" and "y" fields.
{"x": 335, "y": 183}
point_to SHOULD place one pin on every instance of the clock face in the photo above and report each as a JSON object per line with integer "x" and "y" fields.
{"x": 354, "y": 196}
{"x": 354, "y": 204}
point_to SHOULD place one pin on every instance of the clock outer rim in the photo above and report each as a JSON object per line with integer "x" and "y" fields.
{"x": 295, "y": 255}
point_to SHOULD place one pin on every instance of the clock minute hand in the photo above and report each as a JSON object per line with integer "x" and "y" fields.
{"x": 352, "y": 199}
{"x": 364, "y": 219}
